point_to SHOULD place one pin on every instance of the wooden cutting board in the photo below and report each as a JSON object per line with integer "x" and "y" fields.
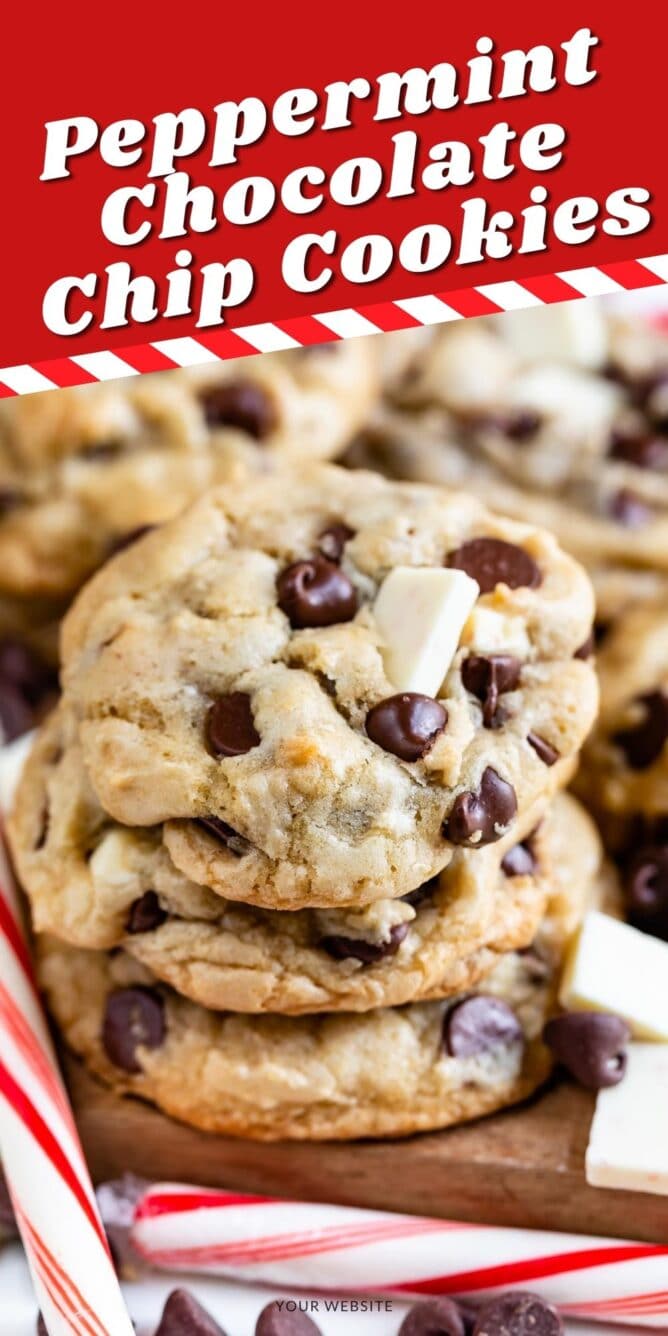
{"x": 524, "y": 1167}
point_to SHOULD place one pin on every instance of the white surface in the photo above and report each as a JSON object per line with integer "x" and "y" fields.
{"x": 235, "y": 1307}
{"x": 420, "y": 613}
{"x": 628, "y": 1142}
{"x": 614, "y": 967}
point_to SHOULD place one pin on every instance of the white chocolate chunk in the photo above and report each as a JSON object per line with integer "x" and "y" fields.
{"x": 628, "y": 1145}
{"x": 613, "y": 967}
{"x": 583, "y": 403}
{"x": 490, "y": 632}
{"x": 573, "y": 332}
{"x": 420, "y": 613}
{"x": 13, "y": 757}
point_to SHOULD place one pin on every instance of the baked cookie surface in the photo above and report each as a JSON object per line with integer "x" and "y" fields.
{"x": 227, "y": 678}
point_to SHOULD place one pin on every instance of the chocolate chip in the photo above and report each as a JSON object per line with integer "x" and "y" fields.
{"x": 479, "y": 1024}
{"x": 229, "y": 726}
{"x": 523, "y": 425}
{"x": 491, "y": 562}
{"x": 184, "y": 1316}
{"x": 41, "y": 1326}
{"x": 316, "y": 593}
{"x": 591, "y": 1045}
{"x": 356, "y": 948}
{"x": 629, "y": 509}
{"x": 10, "y": 498}
{"x": 520, "y": 861}
{"x": 16, "y": 715}
{"x": 586, "y": 648}
{"x": 434, "y": 1317}
{"x": 241, "y": 404}
{"x": 469, "y": 1316}
{"x": 422, "y": 893}
{"x": 480, "y": 817}
{"x": 641, "y": 450}
{"x": 646, "y": 883}
{"x": 134, "y": 1018}
{"x": 227, "y": 836}
{"x": 279, "y": 1320}
{"x": 643, "y": 743}
{"x": 406, "y": 725}
{"x": 543, "y": 749}
{"x": 25, "y": 670}
{"x": 125, "y": 540}
{"x": 487, "y": 678}
{"x": 333, "y": 539}
{"x": 146, "y": 914}
{"x": 518, "y": 1314}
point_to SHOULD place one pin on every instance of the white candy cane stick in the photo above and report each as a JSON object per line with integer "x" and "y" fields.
{"x": 335, "y": 1248}
{"x": 48, "y": 1181}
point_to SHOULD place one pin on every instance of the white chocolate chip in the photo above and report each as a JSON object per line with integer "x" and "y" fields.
{"x": 612, "y": 967}
{"x": 491, "y": 632}
{"x": 115, "y": 864}
{"x": 573, "y": 332}
{"x": 628, "y": 1146}
{"x": 420, "y": 613}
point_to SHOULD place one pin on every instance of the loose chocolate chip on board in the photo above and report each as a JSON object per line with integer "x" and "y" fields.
{"x": 543, "y": 749}
{"x": 492, "y": 561}
{"x": 520, "y": 861}
{"x": 518, "y": 1314}
{"x": 277, "y": 1320}
{"x": 229, "y": 726}
{"x": 641, "y": 450}
{"x": 333, "y": 539}
{"x": 316, "y": 593}
{"x": 356, "y": 948}
{"x": 629, "y": 509}
{"x": 643, "y": 743}
{"x": 489, "y": 677}
{"x": 646, "y": 884}
{"x": 406, "y": 725}
{"x": 482, "y": 817}
{"x": 434, "y": 1317}
{"x": 479, "y": 1024}
{"x": 146, "y": 914}
{"x": 134, "y": 1018}
{"x": 590, "y": 1045}
{"x": 184, "y": 1316}
{"x": 241, "y": 404}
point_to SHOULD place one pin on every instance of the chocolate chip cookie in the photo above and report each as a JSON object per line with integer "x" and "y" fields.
{"x": 229, "y": 680}
{"x": 557, "y": 417}
{"x": 83, "y": 470}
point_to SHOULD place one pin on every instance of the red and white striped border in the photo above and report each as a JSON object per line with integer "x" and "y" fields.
{"x": 303, "y": 331}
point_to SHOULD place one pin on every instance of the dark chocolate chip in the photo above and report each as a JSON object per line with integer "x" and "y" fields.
{"x": 25, "y": 670}
{"x": 229, "y": 726}
{"x": 520, "y": 861}
{"x": 231, "y": 838}
{"x": 641, "y": 450}
{"x": 434, "y": 1317}
{"x": 646, "y": 883}
{"x": 488, "y": 678}
{"x": 492, "y": 561}
{"x": 518, "y": 1314}
{"x": 10, "y": 498}
{"x": 134, "y": 1018}
{"x": 184, "y": 1316}
{"x": 316, "y": 593}
{"x": 406, "y": 725}
{"x": 279, "y": 1320}
{"x": 41, "y": 1326}
{"x": 543, "y": 749}
{"x": 422, "y": 893}
{"x": 16, "y": 714}
{"x": 523, "y": 425}
{"x": 482, "y": 816}
{"x": 333, "y": 539}
{"x": 479, "y": 1024}
{"x": 629, "y": 509}
{"x": 241, "y": 404}
{"x": 586, "y": 648}
{"x": 356, "y": 948}
{"x": 643, "y": 743}
{"x": 146, "y": 914}
{"x": 591, "y": 1045}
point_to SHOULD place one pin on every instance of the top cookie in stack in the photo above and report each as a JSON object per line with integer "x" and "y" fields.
{"x": 323, "y": 688}
{"x": 559, "y": 413}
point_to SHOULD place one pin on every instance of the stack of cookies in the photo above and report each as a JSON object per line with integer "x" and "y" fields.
{"x": 84, "y": 470}
{"x": 294, "y": 839}
{"x": 558, "y": 414}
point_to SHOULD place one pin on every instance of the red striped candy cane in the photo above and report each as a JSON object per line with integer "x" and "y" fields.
{"x": 48, "y": 1181}
{"x": 339, "y": 1249}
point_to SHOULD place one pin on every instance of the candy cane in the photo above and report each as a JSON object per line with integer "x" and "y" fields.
{"x": 48, "y": 1181}
{"x": 335, "y": 1248}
